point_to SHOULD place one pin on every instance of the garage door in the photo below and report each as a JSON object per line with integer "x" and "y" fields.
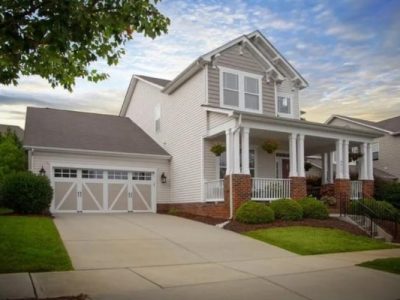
{"x": 98, "y": 190}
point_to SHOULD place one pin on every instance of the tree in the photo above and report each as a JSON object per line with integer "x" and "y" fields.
{"x": 12, "y": 155}
{"x": 59, "y": 39}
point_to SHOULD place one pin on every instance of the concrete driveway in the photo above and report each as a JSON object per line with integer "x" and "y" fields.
{"x": 150, "y": 256}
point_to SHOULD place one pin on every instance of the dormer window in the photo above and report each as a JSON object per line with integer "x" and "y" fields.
{"x": 240, "y": 90}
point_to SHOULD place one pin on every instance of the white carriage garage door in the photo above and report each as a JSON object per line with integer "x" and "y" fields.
{"x": 98, "y": 190}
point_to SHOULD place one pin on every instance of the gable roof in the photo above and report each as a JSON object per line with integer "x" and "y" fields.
{"x": 18, "y": 130}
{"x": 390, "y": 126}
{"x": 158, "y": 81}
{"x": 63, "y": 129}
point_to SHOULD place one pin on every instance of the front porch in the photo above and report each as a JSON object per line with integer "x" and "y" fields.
{"x": 281, "y": 174}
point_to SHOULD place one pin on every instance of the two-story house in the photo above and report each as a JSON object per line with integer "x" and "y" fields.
{"x": 241, "y": 98}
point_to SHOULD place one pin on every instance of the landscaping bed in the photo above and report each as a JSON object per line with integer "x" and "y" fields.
{"x": 31, "y": 244}
{"x": 327, "y": 223}
{"x": 391, "y": 265}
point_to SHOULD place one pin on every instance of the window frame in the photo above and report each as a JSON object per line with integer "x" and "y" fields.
{"x": 241, "y": 75}
{"x": 287, "y": 95}
{"x": 157, "y": 118}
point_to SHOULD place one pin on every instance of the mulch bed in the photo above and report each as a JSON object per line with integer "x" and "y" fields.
{"x": 334, "y": 223}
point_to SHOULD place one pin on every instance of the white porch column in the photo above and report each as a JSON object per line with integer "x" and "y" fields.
{"x": 229, "y": 152}
{"x": 236, "y": 152}
{"x": 292, "y": 155}
{"x": 363, "y": 175}
{"x": 245, "y": 151}
{"x": 346, "y": 171}
{"x": 330, "y": 164}
{"x": 339, "y": 159}
{"x": 325, "y": 166}
{"x": 370, "y": 162}
{"x": 300, "y": 156}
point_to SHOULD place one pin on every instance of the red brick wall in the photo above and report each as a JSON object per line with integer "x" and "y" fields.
{"x": 298, "y": 188}
{"x": 342, "y": 191}
{"x": 241, "y": 189}
{"x": 328, "y": 190}
{"x": 368, "y": 188}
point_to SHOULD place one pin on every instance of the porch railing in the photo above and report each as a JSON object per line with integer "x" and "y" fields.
{"x": 214, "y": 190}
{"x": 356, "y": 190}
{"x": 267, "y": 189}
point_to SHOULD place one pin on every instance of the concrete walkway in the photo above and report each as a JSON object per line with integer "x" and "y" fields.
{"x": 148, "y": 256}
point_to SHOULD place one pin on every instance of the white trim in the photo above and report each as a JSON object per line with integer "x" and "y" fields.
{"x": 148, "y": 82}
{"x": 107, "y": 153}
{"x": 206, "y": 82}
{"x": 228, "y": 112}
{"x": 330, "y": 119}
{"x": 291, "y": 98}
{"x": 221, "y": 128}
{"x": 241, "y": 91}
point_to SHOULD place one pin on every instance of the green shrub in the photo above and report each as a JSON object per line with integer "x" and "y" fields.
{"x": 329, "y": 200}
{"x": 374, "y": 208}
{"x": 252, "y": 212}
{"x": 388, "y": 191}
{"x": 27, "y": 193}
{"x": 286, "y": 209}
{"x": 314, "y": 209}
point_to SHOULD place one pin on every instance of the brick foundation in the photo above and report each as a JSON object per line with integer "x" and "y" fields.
{"x": 368, "y": 188}
{"x": 342, "y": 191}
{"x": 241, "y": 189}
{"x": 298, "y": 188}
{"x": 328, "y": 190}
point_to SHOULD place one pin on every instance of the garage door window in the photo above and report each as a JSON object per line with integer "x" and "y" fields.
{"x": 65, "y": 173}
{"x": 118, "y": 175}
{"x": 92, "y": 174}
{"x": 141, "y": 175}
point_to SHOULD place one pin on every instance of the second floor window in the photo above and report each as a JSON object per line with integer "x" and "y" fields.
{"x": 284, "y": 104}
{"x": 241, "y": 90}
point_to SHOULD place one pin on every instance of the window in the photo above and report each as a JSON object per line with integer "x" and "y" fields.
{"x": 65, "y": 173}
{"x": 375, "y": 151}
{"x": 222, "y": 164}
{"x": 92, "y": 174}
{"x": 157, "y": 117}
{"x": 141, "y": 175}
{"x": 240, "y": 90}
{"x": 118, "y": 175}
{"x": 284, "y": 104}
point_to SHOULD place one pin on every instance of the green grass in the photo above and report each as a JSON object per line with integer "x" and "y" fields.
{"x": 5, "y": 211}
{"x": 31, "y": 244}
{"x": 391, "y": 265}
{"x": 312, "y": 240}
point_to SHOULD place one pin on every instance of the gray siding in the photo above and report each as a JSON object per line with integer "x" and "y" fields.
{"x": 389, "y": 157}
{"x": 231, "y": 58}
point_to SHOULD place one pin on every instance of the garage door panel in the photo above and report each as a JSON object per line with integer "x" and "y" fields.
{"x": 65, "y": 196}
{"x": 118, "y": 196}
{"x": 142, "y": 197}
{"x": 92, "y": 196}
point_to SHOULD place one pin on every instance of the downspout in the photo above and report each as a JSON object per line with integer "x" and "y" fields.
{"x": 230, "y": 177}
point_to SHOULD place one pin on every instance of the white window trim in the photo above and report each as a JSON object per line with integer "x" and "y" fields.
{"x": 157, "y": 117}
{"x": 280, "y": 114}
{"x": 241, "y": 75}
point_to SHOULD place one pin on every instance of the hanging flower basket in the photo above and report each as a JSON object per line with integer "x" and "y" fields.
{"x": 307, "y": 166}
{"x": 270, "y": 146}
{"x": 353, "y": 156}
{"x": 218, "y": 149}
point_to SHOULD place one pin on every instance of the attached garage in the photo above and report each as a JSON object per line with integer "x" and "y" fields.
{"x": 121, "y": 174}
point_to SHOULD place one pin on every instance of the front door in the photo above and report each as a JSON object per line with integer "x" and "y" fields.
{"x": 285, "y": 168}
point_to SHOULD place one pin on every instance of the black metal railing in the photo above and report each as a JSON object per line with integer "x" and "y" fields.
{"x": 369, "y": 214}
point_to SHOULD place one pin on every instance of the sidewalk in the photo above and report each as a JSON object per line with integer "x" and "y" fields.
{"x": 328, "y": 276}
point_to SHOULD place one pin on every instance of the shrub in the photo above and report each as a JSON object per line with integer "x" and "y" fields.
{"x": 329, "y": 200}
{"x": 252, "y": 212}
{"x": 286, "y": 209}
{"x": 27, "y": 193}
{"x": 374, "y": 208}
{"x": 314, "y": 209}
{"x": 388, "y": 191}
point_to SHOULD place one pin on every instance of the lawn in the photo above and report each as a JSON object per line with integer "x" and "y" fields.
{"x": 31, "y": 244}
{"x": 391, "y": 265}
{"x": 312, "y": 240}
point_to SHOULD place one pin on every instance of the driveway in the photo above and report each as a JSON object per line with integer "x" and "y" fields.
{"x": 151, "y": 256}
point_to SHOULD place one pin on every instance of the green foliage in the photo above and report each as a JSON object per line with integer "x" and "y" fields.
{"x": 58, "y": 40}
{"x": 391, "y": 265}
{"x": 374, "y": 208}
{"x": 252, "y": 212}
{"x": 329, "y": 200}
{"x": 218, "y": 149}
{"x": 12, "y": 155}
{"x": 270, "y": 146}
{"x": 388, "y": 191}
{"x": 314, "y": 209}
{"x": 26, "y": 193}
{"x": 287, "y": 209}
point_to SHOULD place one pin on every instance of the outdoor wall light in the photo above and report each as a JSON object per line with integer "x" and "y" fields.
{"x": 163, "y": 178}
{"x": 42, "y": 171}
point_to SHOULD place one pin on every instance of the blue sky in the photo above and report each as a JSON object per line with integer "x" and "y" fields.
{"x": 348, "y": 50}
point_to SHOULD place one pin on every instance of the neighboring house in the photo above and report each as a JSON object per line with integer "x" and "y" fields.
{"x": 239, "y": 95}
{"x": 16, "y": 129}
{"x": 386, "y": 149}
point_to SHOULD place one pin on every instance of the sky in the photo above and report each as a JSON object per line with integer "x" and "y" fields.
{"x": 348, "y": 51}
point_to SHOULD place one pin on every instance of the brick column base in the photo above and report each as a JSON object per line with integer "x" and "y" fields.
{"x": 241, "y": 189}
{"x": 342, "y": 191}
{"x": 368, "y": 189}
{"x": 298, "y": 187}
{"x": 328, "y": 190}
